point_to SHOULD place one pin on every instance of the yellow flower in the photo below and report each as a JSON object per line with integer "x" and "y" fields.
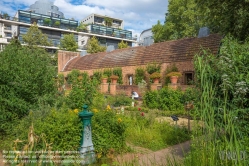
{"x": 108, "y": 107}
{"x": 76, "y": 111}
{"x": 95, "y": 110}
{"x": 99, "y": 155}
{"x": 119, "y": 120}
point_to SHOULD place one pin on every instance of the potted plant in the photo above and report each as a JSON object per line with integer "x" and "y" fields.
{"x": 114, "y": 78}
{"x": 57, "y": 23}
{"x": 47, "y": 21}
{"x": 104, "y": 78}
{"x": 155, "y": 76}
{"x": 174, "y": 76}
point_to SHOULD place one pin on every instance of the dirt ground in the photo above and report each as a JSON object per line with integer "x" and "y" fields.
{"x": 181, "y": 122}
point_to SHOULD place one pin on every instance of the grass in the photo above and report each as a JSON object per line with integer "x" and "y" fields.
{"x": 144, "y": 131}
{"x": 216, "y": 136}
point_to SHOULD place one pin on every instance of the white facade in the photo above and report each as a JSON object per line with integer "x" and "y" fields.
{"x": 7, "y": 31}
{"x": 99, "y": 19}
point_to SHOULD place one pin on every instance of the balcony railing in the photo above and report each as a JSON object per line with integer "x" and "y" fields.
{"x": 7, "y": 28}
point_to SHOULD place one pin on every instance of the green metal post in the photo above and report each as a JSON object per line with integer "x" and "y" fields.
{"x": 86, "y": 146}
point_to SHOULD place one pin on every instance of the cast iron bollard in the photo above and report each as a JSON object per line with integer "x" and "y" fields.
{"x": 86, "y": 146}
{"x": 188, "y": 107}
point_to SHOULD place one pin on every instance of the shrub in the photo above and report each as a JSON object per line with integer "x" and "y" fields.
{"x": 47, "y": 21}
{"x": 104, "y": 76}
{"x": 119, "y": 100}
{"x": 164, "y": 99}
{"x": 108, "y": 72}
{"x": 114, "y": 77}
{"x": 62, "y": 128}
{"x": 153, "y": 67}
{"x": 97, "y": 75}
{"x": 83, "y": 91}
{"x": 26, "y": 79}
{"x": 170, "y": 99}
{"x": 171, "y": 68}
{"x": 108, "y": 132}
{"x": 150, "y": 99}
{"x": 178, "y": 74}
{"x": 155, "y": 75}
{"x": 118, "y": 72}
{"x": 57, "y": 23}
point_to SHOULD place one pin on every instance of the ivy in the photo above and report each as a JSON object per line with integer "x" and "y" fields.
{"x": 118, "y": 72}
{"x": 139, "y": 75}
{"x": 153, "y": 67}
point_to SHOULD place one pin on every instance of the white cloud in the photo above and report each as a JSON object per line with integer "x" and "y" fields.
{"x": 138, "y": 15}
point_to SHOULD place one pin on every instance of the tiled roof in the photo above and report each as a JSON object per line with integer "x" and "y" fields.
{"x": 164, "y": 52}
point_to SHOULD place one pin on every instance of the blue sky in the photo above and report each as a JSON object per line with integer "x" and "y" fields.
{"x": 138, "y": 15}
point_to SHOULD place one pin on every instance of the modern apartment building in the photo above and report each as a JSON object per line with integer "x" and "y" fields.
{"x": 52, "y": 23}
{"x": 100, "y": 20}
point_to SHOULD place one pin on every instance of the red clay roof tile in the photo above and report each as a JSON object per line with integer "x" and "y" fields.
{"x": 169, "y": 51}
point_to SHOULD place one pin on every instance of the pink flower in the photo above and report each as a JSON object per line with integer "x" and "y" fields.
{"x": 139, "y": 109}
{"x": 142, "y": 114}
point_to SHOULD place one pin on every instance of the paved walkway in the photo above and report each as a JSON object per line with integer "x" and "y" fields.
{"x": 146, "y": 157}
{"x": 159, "y": 158}
{"x": 1, "y": 159}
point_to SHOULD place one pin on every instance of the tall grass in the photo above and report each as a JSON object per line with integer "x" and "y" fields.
{"x": 219, "y": 141}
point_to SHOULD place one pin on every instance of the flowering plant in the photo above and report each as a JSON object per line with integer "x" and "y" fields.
{"x": 178, "y": 74}
{"x": 155, "y": 75}
{"x": 114, "y": 77}
{"x": 104, "y": 76}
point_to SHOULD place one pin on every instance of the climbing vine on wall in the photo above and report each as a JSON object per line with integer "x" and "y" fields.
{"x": 118, "y": 72}
{"x": 139, "y": 75}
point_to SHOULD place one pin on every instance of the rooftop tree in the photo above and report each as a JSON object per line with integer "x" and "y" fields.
{"x": 68, "y": 43}
{"x": 35, "y": 37}
{"x": 123, "y": 44}
{"x": 94, "y": 46}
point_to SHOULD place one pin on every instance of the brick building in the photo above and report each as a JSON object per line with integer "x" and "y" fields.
{"x": 180, "y": 52}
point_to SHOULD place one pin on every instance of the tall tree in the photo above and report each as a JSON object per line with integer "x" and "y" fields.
{"x": 227, "y": 16}
{"x": 68, "y": 43}
{"x": 159, "y": 32}
{"x": 123, "y": 44}
{"x": 94, "y": 47}
{"x": 35, "y": 37}
{"x": 182, "y": 20}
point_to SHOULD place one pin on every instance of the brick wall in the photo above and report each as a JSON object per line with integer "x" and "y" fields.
{"x": 186, "y": 66}
{"x": 64, "y": 57}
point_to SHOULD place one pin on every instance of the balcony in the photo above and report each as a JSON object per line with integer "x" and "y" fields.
{"x": 3, "y": 40}
{"x": 109, "y": 31}
{"x": 8, "y": 35}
